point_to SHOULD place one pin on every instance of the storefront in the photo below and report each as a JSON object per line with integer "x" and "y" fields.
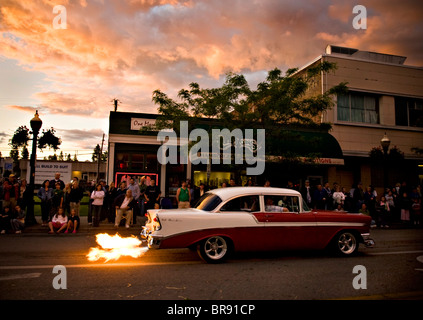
{"x": 133, "y": 154}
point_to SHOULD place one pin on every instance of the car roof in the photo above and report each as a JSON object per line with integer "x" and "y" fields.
{"x": 230, "y": 192}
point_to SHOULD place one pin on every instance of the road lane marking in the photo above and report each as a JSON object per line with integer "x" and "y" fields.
{"x": 20, "y": 276}
{"x": 105, "y": 265}
{"x": 393, "y": 252}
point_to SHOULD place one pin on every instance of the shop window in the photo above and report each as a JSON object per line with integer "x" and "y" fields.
{"x": 216, "y": 178}
{"x": 137, "y": 161}
{"x": 175, "y": 174}
{"x": 122, "y": 161}
{"x": 151, "y": 163}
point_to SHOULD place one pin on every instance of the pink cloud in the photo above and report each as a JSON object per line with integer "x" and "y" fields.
{"x": 127, "y": 49}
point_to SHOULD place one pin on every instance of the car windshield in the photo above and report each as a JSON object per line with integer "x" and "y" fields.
{"x": 208, "y": 202}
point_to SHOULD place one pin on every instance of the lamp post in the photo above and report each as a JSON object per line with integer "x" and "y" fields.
{"x": 36, "y": 124}
{"x": 385, "y": 142}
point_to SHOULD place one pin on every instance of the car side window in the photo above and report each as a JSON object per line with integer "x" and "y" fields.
{"x": 280, "y": 203}
{"x": 244, "y": 203}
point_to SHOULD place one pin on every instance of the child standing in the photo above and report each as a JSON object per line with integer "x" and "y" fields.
{"x": 385, "y": 209}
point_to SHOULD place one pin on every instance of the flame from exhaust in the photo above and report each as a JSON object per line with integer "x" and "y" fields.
{"x": 113, "y": 247}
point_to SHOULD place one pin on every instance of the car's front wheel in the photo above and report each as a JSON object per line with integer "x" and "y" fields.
{"x": 345, "y": 243}
{"x": 214, "y": 249}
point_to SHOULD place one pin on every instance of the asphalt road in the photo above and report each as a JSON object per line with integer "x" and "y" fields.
{"x": 392, "y": 270}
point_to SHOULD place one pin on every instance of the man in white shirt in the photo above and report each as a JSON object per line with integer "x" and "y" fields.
{"x": 124, "y": 205}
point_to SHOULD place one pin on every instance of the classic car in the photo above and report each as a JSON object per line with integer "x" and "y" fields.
{"x": 254, "y": 219}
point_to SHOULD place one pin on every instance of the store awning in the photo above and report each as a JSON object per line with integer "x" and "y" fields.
{"x": 307, "y": 146}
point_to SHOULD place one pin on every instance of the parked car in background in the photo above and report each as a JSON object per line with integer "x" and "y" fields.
{"x": 254, "y": 219}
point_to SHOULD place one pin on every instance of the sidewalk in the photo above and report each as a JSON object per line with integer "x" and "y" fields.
{"x": 85, "y": 228}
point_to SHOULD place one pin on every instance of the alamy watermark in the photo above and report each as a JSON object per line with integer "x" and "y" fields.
{"x": 60, "y": 281}
{"x": 360, "y": 280}
{"x": 248, "y": 149}
{"x": 360, "y": 20}
{"x": 60, "y": 21}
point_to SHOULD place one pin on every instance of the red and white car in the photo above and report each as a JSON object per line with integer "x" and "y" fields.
{"x": 254, "y": 219}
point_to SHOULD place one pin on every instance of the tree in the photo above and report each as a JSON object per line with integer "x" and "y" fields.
{"x": 21, "y": 138}
{"x": 96, "y": 153}
{"x": 280, "y": 102}
{"x": 49, "y": 139}
{"x": 25, "y": 153}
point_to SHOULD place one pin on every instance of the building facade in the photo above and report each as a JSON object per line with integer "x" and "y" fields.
{"x": 385, "y": 97}
{"x": 133, "y": 154}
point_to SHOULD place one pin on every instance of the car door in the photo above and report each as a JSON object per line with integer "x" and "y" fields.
{"x": 286, "y": 227}
{"x": 247, "y": 225}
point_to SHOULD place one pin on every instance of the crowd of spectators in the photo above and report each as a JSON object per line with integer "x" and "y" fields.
{"x": 60, "y": 202}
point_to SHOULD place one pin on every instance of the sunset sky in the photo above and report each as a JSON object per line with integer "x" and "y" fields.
{"x": 127, "y": 49}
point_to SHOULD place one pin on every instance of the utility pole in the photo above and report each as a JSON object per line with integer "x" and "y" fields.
{"x": 99, "y": 160}
{"x": 115, "y": 102}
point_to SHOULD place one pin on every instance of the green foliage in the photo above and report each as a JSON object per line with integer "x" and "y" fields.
{"x": 279, "y": 100}
{"x": 394, "y": 155}
{"x": 49, "y": 139}
{"x": 20, "y": 138}
{"x": 278, "y": 103}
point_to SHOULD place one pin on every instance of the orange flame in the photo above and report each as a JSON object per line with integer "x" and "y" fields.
{"x": 113, "y": 247}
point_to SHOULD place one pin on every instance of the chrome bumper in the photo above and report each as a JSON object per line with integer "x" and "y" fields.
{"x": 144, "y": 233}
{"x": 152, "y": 242}
{"x": 368, "y": 242}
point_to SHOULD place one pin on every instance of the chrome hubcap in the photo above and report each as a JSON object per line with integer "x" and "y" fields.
{"x": 215, "y": 248}
{"x": 347, "y": 243}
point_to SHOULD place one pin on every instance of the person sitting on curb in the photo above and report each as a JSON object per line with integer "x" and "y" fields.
{"x": 58, "y": 223}
{"x": 73, "y": 222}
{"x": 18, "y": 220}
{"x": 124, "y": 205}
{"x": 5, "y": 219}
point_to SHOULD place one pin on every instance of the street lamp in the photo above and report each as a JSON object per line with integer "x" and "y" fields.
{"x": 385, "y": 142}
{"x": 36, "y": 124}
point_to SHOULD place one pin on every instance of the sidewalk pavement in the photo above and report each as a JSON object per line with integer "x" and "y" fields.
{"x": 85, "y": 228}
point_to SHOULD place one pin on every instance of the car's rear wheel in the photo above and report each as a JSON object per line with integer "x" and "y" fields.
{"x": 345, "y": 243}
{"x": 214, "y": 249}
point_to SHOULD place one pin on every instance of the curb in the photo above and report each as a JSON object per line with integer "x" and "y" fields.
{"x": 86, "y": 229}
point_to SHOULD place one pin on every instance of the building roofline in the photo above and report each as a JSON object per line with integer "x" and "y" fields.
{"x": 355, "y": 58}
{"x": 370, "y": 61}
